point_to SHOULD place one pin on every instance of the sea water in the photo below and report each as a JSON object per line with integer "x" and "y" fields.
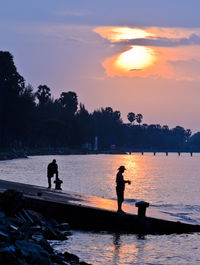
{"x": 171, "y": 184}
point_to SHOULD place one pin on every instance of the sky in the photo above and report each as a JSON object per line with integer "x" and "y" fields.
{"x": 134, "y": 56}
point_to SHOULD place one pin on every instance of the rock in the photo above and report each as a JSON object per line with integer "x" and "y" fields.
{"x": 46, "y": 246}
{"x": 2, "y": 215}
{"x": 84, "y": 263}
{"x": 4, "y": 228}
{"x": 57, "y": 258}
{"x": 13, "y": 227}
{"x": 51, "y": 233}
{"x": 16, "y": 221}
{"x": 12, "y": 201}
{"x": 71, "y": 257}
{"x": 37, "y": 217}
{"x": 33, "y": 253}
{"x": 65, "y": 263}
{"x": 2, "y": 218}
{"x": 37, "y": 237}
{"x": 36, "y": 228}
{"x": 52, "y": 222}
{"x": 3, "y": 236}
{"x": 10, "y": 248}
{"x": 8, "y": 256}
{"x": 27, "y": 216}
{"x": 14, "y": 235}
{"x": 63, "y": 226}
{"x": 67, "y": 233}
{"x": 23, "y": 235}
{"x": 26, "y": 230}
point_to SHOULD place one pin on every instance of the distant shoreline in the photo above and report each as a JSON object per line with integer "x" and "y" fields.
{"x": 14, "y": 154}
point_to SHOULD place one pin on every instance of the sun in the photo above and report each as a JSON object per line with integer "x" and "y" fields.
{"x": 137, "y": 58}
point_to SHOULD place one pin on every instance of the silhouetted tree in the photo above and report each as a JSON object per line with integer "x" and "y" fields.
{"x": 84, "y": 126}
{"x": 131, "y": 117}
{"x": 139, "y": 118}
{"x": 188, "y": 133}
{"x": 69, "y": 101}
{"x": 165, "y": 127}
{"x": 59, "y": 122}
{"x": 107, "y": 126}
{"x": 26, "y": 109}
{"x": 11, "y": 83}
{"x": 43, "y": 94}
{"x": 195, "y": 142}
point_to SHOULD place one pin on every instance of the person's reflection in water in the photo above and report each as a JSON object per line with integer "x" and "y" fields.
{"x": 137, "y": 249}
{"x": 117, "y": 245}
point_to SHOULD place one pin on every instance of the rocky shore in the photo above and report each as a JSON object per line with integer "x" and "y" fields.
{"x": 25, "y": 235}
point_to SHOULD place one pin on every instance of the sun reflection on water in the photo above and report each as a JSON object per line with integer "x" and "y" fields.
{"x": 137, "y": 172}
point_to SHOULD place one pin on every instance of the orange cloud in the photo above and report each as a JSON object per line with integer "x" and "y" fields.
{"x": 163, "y": 52}
{"x": 121, "y": 33}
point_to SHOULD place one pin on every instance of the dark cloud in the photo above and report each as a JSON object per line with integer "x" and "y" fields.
{"x": 135, "y": 70}
{"x": 193, "y": 39}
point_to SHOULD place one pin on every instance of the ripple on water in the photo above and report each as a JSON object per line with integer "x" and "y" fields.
{"x": 171, "y": 184}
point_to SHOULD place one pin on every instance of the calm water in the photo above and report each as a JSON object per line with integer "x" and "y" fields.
{"x": 171, "y": 184}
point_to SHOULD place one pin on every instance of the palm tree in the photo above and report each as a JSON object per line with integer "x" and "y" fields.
{"x": 131, "y": 117}
{"x": 43, "y": 94}
{"x": 139, "y": 118}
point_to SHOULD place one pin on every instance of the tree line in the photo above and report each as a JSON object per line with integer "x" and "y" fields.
{"x": 35, "y": 119}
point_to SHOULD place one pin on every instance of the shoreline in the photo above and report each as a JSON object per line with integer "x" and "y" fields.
{"x": 13, "y": 154}
{"x": 25, "y": 153}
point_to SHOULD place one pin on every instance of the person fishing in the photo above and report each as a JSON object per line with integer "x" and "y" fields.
{"x": 51, "y": 170}
{"x": 120, "y": 187}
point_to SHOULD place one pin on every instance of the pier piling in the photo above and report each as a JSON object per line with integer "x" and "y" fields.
{"x": 142, "y": 208}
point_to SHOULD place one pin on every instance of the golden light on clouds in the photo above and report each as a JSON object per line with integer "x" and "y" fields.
{"x": 155, "y": 52}
{"x": 137, "y": 58}
{"x": 122, "y": 33}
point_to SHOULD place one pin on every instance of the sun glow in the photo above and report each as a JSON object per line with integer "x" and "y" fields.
{"x": 137, "y": 58}
{"x": 129, "y": 33}
{"x": 115, "y": 34}
{"x": 153, "y": 51}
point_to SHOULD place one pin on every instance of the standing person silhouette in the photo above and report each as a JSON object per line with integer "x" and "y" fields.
{"x": 51, "y": 170}
{"x": 120, "y": 187}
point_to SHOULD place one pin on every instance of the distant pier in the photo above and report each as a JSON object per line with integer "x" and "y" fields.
{"x": 162, "y": 152}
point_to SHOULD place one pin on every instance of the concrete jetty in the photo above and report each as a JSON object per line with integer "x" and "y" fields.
{"x": 95, "y": 213}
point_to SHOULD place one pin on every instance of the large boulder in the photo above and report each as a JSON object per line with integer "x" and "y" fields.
{"x": 32, "y": 252}
{"x": 71, "y": 257}
{"x": 12, "y": 201}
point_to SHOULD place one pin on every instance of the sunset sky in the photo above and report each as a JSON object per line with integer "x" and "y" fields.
{"x": 134, "y": 56}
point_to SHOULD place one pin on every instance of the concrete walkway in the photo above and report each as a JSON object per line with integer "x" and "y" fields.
{"x": 95, "y": 213}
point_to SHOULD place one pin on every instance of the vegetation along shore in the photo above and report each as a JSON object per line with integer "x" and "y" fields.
{"x": 32, "y": 119}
